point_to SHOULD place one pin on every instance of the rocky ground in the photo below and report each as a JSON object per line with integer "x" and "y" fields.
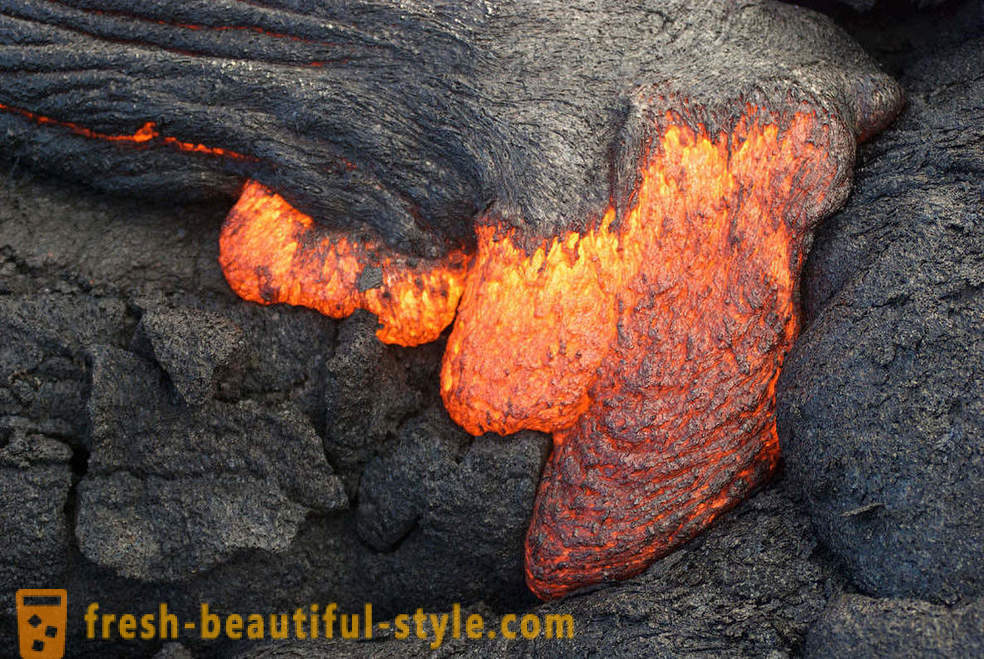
{"x": 880, "y": 412}
{"x": 162, "y": 441}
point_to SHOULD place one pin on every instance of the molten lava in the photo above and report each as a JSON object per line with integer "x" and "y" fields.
{"x": 272, "y": 253}
{"x": 649, "y": 345}
{"x": 648, "y": 341}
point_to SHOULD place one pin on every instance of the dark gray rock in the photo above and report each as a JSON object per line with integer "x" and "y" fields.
{"x": 881, "y": 402}
{"x": 35, "y": 477}
{"x": 456, "y": 510}
{"x": 43, "y": 391}
{"x": 476, "y": 505}
{"x": 409, "y": 119}
{"x": 191, "y": 345}
{"x": 393, "y": 491}
{"x": 104, "y": 246}
{"x": 43, "y": 371}
{"x": 466, "y": 543}
{"x": 868, "y": 5}
{"x": 284, "y": 358}
{"x": 367, "y": 396}
{"x": 858, "y": 626}
{"x": 173, "y": 490}
{"x": 752, "y": 586}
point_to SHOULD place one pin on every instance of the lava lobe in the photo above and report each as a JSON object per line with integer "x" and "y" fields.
{"x": 649, "y": 345}
{"x": 272, "y": 253}
{"x": 650, "y": 348}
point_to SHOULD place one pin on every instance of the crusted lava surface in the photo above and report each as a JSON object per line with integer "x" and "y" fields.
{"x": 611, "y": 203}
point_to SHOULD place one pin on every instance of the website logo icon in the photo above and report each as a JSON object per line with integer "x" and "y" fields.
{"x": 42, "y": 615}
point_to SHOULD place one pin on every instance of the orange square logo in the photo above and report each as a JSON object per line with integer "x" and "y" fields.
{"x": 42, "y": 615}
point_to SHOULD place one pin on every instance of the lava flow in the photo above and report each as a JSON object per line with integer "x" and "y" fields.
{"x": 649, "y": 345}
{"x": 272, "y": 253}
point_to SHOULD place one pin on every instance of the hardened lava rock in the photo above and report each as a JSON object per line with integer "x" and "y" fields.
{"x": 859, "y": 626}
{"x": 753, "y": 585}
{"x": 173, "y": 489}
{"x": 880, "y": 402}
{"x": 43, "y": 392}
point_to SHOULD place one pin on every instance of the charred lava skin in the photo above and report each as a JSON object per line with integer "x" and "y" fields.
{"x": 409, "y": 119}
{"x": 611, "y": 203}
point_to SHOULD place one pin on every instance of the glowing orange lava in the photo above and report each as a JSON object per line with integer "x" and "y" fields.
{"x": 650, "y": 346}
{"x": 272, "y": 253}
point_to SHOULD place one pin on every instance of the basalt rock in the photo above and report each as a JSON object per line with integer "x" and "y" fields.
{"x": 880, "y": 402}
{"x": 367, "y": 396}
{"x": 62, "y": 238}
{"x": 859, "y": 626}
{"x": 437, "y": 489}
{"x": 172, "y": 489}
{"x": 43, "y": 372}
{"x": 752, "y": 586}
{"x": 35, "y": 476}
{"x": 174, "y": 651}
{"x": 43, "y": 391}
{"x": 192, "y": 346}
{"x": 863, "y": 6}
{"x": 407, "y": 118}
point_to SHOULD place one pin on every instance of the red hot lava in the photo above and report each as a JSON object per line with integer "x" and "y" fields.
{"x": 649, "y": 346}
